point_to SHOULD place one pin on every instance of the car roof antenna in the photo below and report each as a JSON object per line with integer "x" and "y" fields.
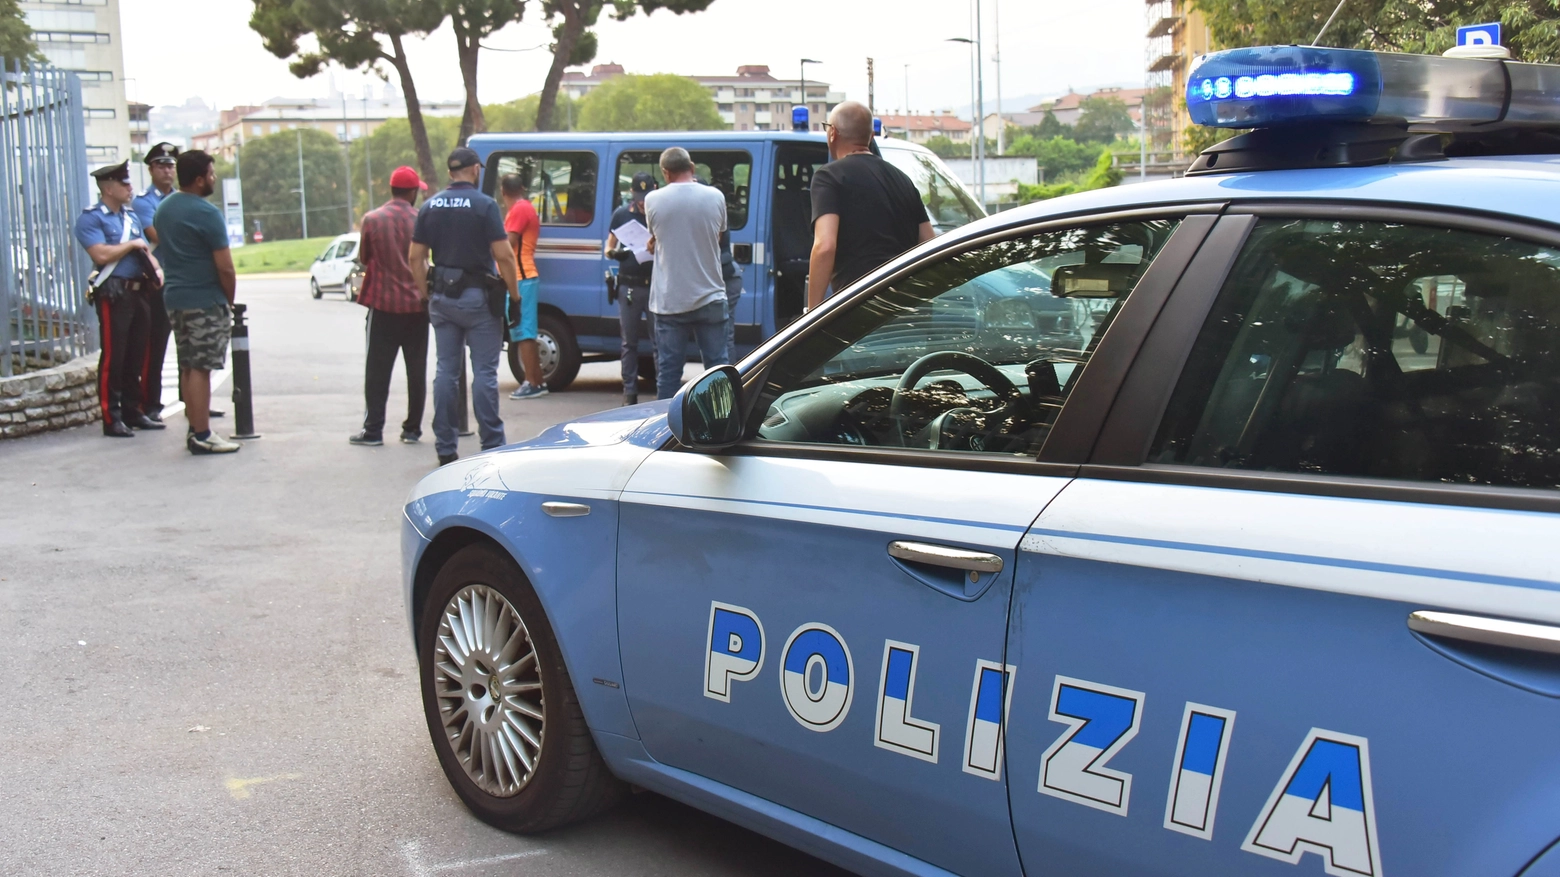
{"x": 1336, "y": 9}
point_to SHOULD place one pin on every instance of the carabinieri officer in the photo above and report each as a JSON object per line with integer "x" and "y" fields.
{"x": 160, "y": 160}
{"x": 111, "y": 234}
{"x": 465, "y": 231}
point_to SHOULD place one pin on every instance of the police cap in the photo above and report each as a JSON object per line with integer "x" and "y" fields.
{"x": 463, "y": 158}
{"x": 162, "y": 153}
{"x": 116, "y": 172}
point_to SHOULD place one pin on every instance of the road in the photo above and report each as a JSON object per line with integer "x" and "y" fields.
{"x": 205, "y": 661}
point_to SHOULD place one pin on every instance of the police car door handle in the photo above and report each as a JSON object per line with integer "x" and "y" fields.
{"x": 566, "y": 509}
{"x": 942, "y": 555}
{"x": 1488, "y": 631}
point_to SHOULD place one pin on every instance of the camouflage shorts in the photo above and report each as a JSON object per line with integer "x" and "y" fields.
{"x": 202, "y": 336}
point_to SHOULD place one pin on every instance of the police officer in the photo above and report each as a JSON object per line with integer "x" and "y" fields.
{"x": 111, "y": 234}
{"x": 160, "y": 162}
{"x": 464, "y": 229}
{"x": 633, "y": 286}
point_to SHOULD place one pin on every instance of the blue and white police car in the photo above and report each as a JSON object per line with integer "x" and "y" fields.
{"x": 1221, "y": 540}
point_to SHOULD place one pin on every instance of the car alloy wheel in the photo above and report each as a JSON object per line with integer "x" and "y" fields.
{"x": 490, "y": 690}
{"x": 505, "y": 721}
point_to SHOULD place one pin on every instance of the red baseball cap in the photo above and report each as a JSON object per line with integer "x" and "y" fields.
{"x": 404, "y": 177}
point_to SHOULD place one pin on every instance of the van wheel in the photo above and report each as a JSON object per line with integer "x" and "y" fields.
{"x": 504, "y": 718}
{"x": 559, "y": 352}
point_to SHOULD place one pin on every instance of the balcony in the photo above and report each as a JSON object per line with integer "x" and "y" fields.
{"x": 1165, "y": 62}
{"x": 1164, "y": 27}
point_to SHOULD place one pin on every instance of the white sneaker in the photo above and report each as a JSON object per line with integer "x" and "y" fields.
{"x": 214, "y": 444}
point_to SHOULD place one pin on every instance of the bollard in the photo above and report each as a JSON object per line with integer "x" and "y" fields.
{"x": 243, "y": 403}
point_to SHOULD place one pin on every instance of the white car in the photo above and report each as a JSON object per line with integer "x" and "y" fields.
{"x": 334, "y": 269}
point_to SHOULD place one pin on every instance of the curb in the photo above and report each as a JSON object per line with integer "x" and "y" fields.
{"x": 275, "y": 275}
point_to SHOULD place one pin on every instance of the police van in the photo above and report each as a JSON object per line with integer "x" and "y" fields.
{"x": 577, "y": 180}
{"x": 1199, "y": 528}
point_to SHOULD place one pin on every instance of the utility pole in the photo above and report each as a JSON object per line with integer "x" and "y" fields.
{"x": 871, "y": 95}
{"x": 803, "y": 88}
{"x": 996, "y": 39}
{"x": 346, "y": 157}
{"x": 303, "y": 197}
{"x": 907, "y": 92}
{"x": 980, "y": 109}
{"x": 368, "y": 162}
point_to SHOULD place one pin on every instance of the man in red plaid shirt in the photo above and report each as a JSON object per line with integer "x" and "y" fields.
{"x": 397, "y": 315}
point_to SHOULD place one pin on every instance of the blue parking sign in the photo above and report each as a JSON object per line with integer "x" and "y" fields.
{"x": 1479, "y": 34}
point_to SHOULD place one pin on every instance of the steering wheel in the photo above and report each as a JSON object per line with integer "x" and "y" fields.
{"x": 974, "y": 366}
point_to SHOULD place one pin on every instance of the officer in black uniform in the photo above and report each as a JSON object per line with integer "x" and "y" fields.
{"x": 160, "y": 160}
{"x": 111, "y": 234}
{"x": 464, "y": 229}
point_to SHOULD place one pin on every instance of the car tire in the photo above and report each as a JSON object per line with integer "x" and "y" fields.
{"x": 568, "y": 780}
{"x": 559, "y": 350}
{"x": 314, "y": 288}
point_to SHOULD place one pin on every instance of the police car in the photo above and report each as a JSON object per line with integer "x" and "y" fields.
{"x": 1247, "y": 567}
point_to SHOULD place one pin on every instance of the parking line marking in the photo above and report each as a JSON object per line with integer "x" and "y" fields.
{"x": 239, "y": 788}
{"x": 412, "y": 850}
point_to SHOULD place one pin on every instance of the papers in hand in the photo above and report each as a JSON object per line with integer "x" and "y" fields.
{"x": 636, "y": 237}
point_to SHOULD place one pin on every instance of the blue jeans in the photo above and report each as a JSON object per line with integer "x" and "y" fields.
{"x": 459, "y": 323}
{"x": 673, "y": 332}
{"x": 631, "y": 327}
{"x": 733, "y": 292}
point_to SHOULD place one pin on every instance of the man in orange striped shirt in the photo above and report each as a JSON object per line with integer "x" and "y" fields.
{"x": 524, "y": 227}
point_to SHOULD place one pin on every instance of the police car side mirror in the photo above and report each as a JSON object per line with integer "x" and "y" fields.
{"x": 707, "y": 414}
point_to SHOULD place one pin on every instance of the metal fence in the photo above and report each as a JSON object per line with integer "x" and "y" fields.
{"x": 43, "y": 186}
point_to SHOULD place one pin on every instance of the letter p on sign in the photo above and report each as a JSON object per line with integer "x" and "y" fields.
{"x": 1479, "y": 34}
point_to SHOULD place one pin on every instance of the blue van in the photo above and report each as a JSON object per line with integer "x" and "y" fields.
{"x": 766, "y": 176}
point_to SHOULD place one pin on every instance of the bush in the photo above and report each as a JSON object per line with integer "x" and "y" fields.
{"x": 1103, "y": 175}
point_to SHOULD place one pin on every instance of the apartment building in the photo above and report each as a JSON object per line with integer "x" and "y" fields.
{"x": 343, "y": 116}
{"x": 923, "y": 127}
{"x": 752, "y": 100}
{"x": 1177, "y": 33}
{"x": 83, "y": 36}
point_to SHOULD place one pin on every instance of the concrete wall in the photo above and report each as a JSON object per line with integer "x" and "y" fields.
{"x": 54, "y": 398}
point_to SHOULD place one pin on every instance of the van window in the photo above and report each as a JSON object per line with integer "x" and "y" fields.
{"x": 729, "y": 170}
{"x": 562, "y": 184}
{"x": 947, "y": 204}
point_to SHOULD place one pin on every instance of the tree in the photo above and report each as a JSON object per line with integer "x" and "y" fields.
{"x": 520, "y": 115}
{"x": 1102, "y": 175}
{"x": 1049, "y": 127}
{"x": 1530, "y": 28}
{"x": 269, "y": 167}
{"x": 16, "y": 38}
{"x": 662, "y": 102}
{"x": 1102, "y": 119}
{"x": 473, "y": 21}
{"x": 349, "y": 33}
{"x": 944, "y": 147}
{"x": 574, "y": 44}
{"x": 390, "y": 146}
{"x": 1060, "y": 156}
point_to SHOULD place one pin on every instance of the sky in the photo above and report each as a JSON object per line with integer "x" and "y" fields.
{"x": 1046, "y": 48}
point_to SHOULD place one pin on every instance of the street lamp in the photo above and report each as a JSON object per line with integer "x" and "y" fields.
{"x": 803, "y": 80}
{"x": 977, "y": 109}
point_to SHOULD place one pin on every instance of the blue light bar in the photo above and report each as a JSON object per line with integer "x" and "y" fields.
{"x": 1270, "y": 86}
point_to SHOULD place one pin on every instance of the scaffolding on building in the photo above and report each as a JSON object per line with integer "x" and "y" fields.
{"x": 1161, "y": 59}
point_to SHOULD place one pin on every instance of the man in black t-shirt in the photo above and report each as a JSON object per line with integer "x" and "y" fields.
{"x": 865, "y": 210}
{"x": 633, "y": 296}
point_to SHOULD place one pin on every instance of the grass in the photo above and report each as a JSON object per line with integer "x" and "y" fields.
{"x": 278, "y": 256}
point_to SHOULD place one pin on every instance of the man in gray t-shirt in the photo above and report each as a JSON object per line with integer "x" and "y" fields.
{"x": 687, "y": 294}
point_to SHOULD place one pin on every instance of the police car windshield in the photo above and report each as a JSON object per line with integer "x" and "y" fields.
{"x": 947, "y": 203}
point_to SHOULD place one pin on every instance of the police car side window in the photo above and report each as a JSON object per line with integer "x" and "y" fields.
{"x": 729, "y": 170}
{"x": 562, "y": 184}
{"x": 975, "y": 353}
{"x": 1378, "y": 350}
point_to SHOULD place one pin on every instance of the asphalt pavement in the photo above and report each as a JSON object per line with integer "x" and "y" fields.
{"x": 205, "y": 661}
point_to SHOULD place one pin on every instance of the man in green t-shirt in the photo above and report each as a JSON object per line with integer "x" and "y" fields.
{"x": 192, "y": 243}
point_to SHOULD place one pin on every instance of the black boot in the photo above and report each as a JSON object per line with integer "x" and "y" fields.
{"x": 113, "y": 423}
{"x": 138, "y": 420}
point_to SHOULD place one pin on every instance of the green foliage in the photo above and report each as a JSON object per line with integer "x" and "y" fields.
{"x": 1049, "y": 127}
{"x": 1103, "y": 175}
{"x": 269, "y": 167}
{"x": 16, "y": 38}
{"x": 1060, "y": 156}
{"x": 520, "y": 115}
{"x": 1102, "y": 119}
{"x": 389, "y": 147}
{"x": 1530, "y": 28}
{"x": 946, "y": 148}
{"x": 661, "y": 102}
